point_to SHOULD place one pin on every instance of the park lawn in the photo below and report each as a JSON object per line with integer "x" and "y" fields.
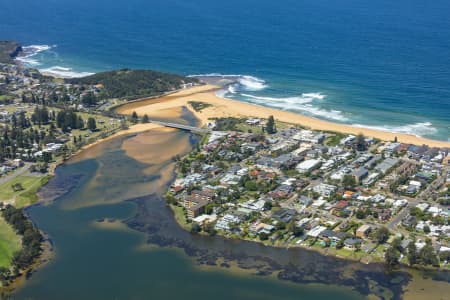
{"x": 10, "y": 243}
{"x": 27, "y": 196}
{"x": 178, "y": 212}
{"x": 346, "y": 253}
{"x": 333, "y": 140}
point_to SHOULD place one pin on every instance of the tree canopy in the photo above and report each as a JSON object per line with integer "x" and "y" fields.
{"x": 133, "y": 84}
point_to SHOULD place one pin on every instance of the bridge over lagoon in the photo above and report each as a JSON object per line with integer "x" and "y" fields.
{"x": 192, "y": 129}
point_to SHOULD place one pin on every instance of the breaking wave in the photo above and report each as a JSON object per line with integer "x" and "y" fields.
{"x": 29, "y": 58}
{"x": 418, "y": 129}
{"x": 301, "y": 104}
{"x": 28, "y": 52}
{"x": 237, "y": 82}
{"x": 63, "y": 72}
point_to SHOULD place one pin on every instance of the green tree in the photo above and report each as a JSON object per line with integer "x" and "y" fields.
{"x": 263, "y": 236}
{"x": 267, "y": 205}
{"x": 17, "y": 187}
{"x": 89, "y": 99}
{"x": 195, "y": 228}
{"x": 270, "y": 126}
{"x": 209, "y": 229}
{"x": 360, "y": 143}
{"x": 381, "y": 235}
{"x": 349, "y": 182}
{"x": 360, "y": 214}
{"x": 294, "y": 229}
{"x": 412, "y": 253}
{"x": 145, "y": 119}
{"x": 391, "y": 257}
{"x": 209, "y": 208}
{"x": 280, "y": 225}
{"x": 134, "y": 117}
{"x": 427, "y": 255}
{"x": 92, "y": 125}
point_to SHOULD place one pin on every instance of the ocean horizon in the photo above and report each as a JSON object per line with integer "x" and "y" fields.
{"x": 376, "y": 65}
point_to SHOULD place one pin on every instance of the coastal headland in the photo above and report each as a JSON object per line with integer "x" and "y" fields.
{"x": 223, "y": 107}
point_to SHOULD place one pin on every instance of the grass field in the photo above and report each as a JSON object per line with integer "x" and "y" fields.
{"x": 10, "y": 242}
{"x": 180, "y": 217}
{"x": 28, "y": 195}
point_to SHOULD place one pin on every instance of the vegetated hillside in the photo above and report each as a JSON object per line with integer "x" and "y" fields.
{"x": 133, "y": 84}
{"x": 8, "y": 51}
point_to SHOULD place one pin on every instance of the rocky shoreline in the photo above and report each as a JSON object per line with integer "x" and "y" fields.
{"x": 9, "y": 50}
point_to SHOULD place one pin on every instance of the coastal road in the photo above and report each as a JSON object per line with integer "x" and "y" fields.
{"x": 16, "y": 173}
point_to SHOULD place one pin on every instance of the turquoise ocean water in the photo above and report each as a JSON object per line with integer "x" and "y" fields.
{"x": 382, "y": 64}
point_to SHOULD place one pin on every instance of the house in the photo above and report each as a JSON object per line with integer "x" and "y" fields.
{"x": 250, "y": 147}
{"x": 18, "y": 163}
{"x": 259, "y": 227}
{"x": 371, "y": 179}
{"x": 386, "y": 165}
{"x": 308, "y": 165}
{"x": 363, "y": 231}
{"x": 341, "y": 205}
{"x": 306, "y": 201}
{"x": 284, "y": 215}
{"x": 204, "y": 219}
{"x": 226, "y": 221}
{"x": 446, "y": 160}
{"x": 416, "y": 151}
{"x": 404, "y": 244}
{"x": 422, "y": 206}
{"x": 391, "y": 148}
{"x": 316, "y": 231}
{"x": 253, "y": 121}
{"x": 325, "y": 190}
{"x": 333, "y": 236}
{"x": 352, "y": 243}
{"x": 359, "y": 174}
{"x": 285, "y": 161}
{"x": 348, "y": 140}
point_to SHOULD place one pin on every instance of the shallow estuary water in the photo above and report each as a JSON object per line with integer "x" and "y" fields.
{"x": 115, "y": 238}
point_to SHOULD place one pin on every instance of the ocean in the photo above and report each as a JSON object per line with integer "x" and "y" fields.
{"x": 379, "y": 64}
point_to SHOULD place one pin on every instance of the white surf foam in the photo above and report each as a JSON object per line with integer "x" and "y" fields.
{"x": 304, "y": 98}
{"x": 250, "y": 83}
{"x": 243, "y": 82}
{"x": 64, "y": 72}
{"x": 301, "y": 104}
{"x": 418, "y": 129}
{"x": 29, "y": 51}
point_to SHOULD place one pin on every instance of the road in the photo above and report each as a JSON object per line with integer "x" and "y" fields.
{"x": 412, "y": 202}
{"x": 16, "y": 173}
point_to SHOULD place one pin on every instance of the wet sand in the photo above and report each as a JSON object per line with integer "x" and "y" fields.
{"x": 221, "y": 107}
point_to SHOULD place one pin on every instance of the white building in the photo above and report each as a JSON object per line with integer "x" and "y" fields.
{"x": 308, "y": 165}
{"x": 325, "y": 190}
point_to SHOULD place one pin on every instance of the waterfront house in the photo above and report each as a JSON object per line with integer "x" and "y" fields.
{"x": 353, "y": 243}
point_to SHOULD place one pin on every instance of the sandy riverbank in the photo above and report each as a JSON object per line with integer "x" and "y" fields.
{"x": 221, "y": 107}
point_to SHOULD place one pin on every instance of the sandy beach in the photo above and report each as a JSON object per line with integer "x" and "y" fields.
{"x": 222, "y": 107}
